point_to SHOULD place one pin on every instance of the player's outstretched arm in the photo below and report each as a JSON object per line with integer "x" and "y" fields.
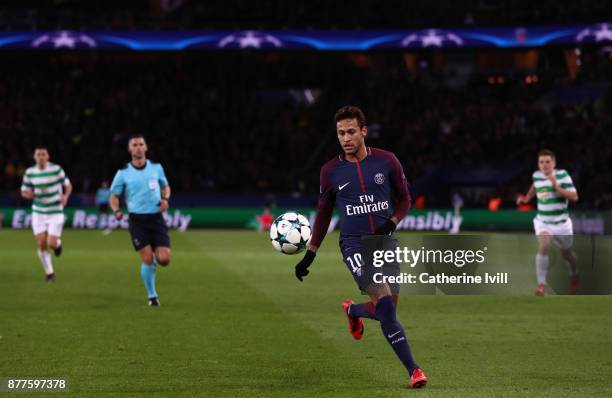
{"x": 114, "y": 204}
{"x": 164, "y": 202}
{"x": 524, "y": 199}
{"x": 324, "y": 214}
{"x": 321, "y": 224}
{"x": 67, "y": 193}
{"x": 116, "y": 189}
{"x": 66, "y": 187}
{"x": 301, "y": 268}
{"x": 27, "y": 191}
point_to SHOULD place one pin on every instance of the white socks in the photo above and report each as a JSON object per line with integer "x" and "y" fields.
{"x": 541, "y": 268}
{"x": 45, "y": 260}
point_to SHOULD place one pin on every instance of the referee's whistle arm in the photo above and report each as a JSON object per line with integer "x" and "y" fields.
{"x": 114, "y": 205}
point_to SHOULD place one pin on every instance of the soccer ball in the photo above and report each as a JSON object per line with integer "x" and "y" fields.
{"x": 290, "y": 233}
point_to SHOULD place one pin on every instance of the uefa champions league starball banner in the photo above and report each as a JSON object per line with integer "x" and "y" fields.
{"x": 501, "y": 37}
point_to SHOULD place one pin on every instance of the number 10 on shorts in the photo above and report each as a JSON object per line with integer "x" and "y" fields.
{"x": 355, "y": 263}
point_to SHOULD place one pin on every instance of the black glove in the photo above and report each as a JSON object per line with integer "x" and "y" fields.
{"x": 301, "y": 269}
{"x": 385, "y": 229}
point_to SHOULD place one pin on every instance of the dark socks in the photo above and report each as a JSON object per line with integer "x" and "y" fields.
{"x": 394, "y": 332}
{"x": 365, "y": 310}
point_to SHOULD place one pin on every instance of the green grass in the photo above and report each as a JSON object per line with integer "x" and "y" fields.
{"x": 234, "y": 321}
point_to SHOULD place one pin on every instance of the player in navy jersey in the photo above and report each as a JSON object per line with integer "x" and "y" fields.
{"x": 370, "y": 192}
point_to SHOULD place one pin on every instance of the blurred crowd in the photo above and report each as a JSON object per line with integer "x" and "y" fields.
{"x": 300, "y": 14}
{"x": 259, "y": 123}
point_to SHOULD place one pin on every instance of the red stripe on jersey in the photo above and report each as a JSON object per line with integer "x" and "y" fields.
{"x": 363, "y": 189}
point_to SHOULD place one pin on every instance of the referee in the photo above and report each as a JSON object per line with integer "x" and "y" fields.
{"x": 147, "y": 193}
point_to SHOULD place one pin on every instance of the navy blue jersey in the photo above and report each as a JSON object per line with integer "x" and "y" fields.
{"x": 366, "y": 194}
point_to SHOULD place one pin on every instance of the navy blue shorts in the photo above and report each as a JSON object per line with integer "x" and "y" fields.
{"x": 148, "y": 229}
{"x": 353, "y": 255}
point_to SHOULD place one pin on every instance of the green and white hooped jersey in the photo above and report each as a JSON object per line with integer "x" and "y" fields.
{"x": 552, "y": 206}
{"x": 47, "y": 186}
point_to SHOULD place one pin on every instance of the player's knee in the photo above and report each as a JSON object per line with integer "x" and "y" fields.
{"x": 163, "y": 257}
{"x": 544, "y": 237}
{"x": 41, "y": 243}
{"x": 376, "y": 291}
{"x": 147, "y": 258}
{"x": 543, "y": 246}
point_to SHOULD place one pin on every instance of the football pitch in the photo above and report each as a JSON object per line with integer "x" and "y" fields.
{"x": 234, "y": 321}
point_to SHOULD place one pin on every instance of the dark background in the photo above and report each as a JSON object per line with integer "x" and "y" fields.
{"x": 468, "y": 121}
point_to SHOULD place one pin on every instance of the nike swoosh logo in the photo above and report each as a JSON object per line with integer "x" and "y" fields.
{"x": 391, "y": 335}
{"x": 341, "y": 187}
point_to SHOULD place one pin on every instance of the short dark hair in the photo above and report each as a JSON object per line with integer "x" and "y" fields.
{"x": 41, "y": 146}
{"x": 350, "y": 112}
{"x": 136, "y": 135}
{"x": 546, "y": 152}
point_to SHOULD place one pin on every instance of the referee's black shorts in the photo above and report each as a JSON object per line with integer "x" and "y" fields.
{"x": 148, "y": 229}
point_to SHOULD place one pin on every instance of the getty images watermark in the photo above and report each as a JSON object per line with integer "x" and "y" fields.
{"x": 468, "y": 264}
{"x": 458, "y": 258}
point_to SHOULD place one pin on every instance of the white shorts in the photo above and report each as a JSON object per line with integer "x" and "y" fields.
{"x": 50, "y": 223}
{"x": 562, "y": 234}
